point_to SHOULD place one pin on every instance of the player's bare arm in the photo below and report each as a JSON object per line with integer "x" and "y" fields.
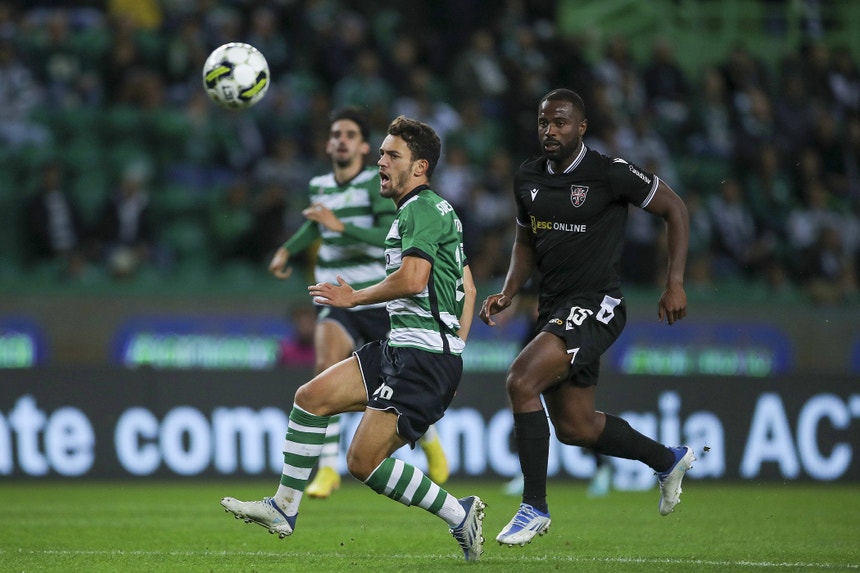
{"x": 278, "y": 265}
{"x": 468, "y": 304}
{"x": 410, "y": 279}
{"x": 668, "y": 205}
{"x": 519, "y": 271}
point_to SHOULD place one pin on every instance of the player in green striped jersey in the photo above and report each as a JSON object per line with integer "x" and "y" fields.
{"x": 349, "y": 218}
{"x": 401, "y": 385}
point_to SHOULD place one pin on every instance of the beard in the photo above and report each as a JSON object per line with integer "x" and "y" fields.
{"x": 397, "y": 185}
{"x": 343, "y": 161}
{"x": 562, "y": 152}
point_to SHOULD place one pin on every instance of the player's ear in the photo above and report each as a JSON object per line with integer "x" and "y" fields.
{"x": 419, "y": 168}
{"x": 364, "y": 149}
{"x": 583, "y": 126}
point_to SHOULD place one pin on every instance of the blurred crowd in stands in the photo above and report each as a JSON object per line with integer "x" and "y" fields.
{"x": 118, "y": 163}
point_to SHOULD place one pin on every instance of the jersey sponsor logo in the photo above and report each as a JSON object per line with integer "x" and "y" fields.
{"x": 639, "y": 174}
{"x": 534, "y": 193}
{"x": 556, "y": 226}
{"x": 578, "y": 194}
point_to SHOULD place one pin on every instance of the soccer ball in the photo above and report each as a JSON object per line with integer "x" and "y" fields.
{"x": 236, "y": 75}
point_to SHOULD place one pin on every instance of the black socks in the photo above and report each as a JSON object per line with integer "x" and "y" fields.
{"x": 620, "y": 440}
{"x": 531, "y": 432}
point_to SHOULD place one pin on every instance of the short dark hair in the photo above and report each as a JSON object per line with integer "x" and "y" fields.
{"x": 420, "y": 138}
{"x": 564, "y": 94}
{"x": 354, "y": 114}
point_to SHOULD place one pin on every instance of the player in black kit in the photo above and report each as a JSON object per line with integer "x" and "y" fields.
{"x": 571, "y": 212}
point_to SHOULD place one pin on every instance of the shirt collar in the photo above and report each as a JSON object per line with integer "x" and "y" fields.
{"x": 576, "y": 161}
{"x": 412, "y": 194}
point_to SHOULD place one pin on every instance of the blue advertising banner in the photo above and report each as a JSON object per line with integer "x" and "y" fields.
{"x": 721, "y": 349}
{"x": 201, "y": 342}
{"x": 22, "y": 343}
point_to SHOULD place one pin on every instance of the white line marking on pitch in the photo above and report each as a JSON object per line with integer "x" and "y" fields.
{"x": 571, "y": 559}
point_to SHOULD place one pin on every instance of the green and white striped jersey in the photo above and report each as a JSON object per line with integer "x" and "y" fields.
{"x": 357, "y": 253}
{"x": 427, "y": 226}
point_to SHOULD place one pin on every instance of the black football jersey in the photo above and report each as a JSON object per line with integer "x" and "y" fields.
{"x": 577, "y": 219}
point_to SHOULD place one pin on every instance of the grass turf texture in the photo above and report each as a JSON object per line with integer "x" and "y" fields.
{"x": 179, "y": 526}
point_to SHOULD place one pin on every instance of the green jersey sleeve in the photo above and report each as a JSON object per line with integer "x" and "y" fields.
{"x": 420, "y": 228}
{"x": 302, "y": 238}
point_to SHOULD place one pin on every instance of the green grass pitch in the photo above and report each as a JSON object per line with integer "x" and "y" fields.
{"x": 175, "y": 526}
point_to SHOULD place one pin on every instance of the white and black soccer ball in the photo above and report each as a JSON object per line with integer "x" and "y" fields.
{"x": 236, "y": 75}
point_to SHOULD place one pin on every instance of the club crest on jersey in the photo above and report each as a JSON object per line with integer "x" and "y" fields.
{"x": 577, "y": 194}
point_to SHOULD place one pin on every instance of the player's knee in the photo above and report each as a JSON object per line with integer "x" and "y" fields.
{"x": 571, "y": 438}
{"x": 357, "y": 470}
{"x": 518, "y": 385}
{"x": 576, "y": 433}
{"x": 310, "y": 400}
{"x": 360, "y": 467}
{"x": 302, "y": 397}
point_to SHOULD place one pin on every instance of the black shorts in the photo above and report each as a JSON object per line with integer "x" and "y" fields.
{"x": 588, "y": 325}
{"x": 363, "y": 326}
{"x": 415, "y": 384}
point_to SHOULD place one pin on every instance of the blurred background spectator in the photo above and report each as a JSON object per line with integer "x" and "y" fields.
{"x": 123, "y": 232}
{"x": 54, "y": 229}
{"x": 761, "y": 135}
